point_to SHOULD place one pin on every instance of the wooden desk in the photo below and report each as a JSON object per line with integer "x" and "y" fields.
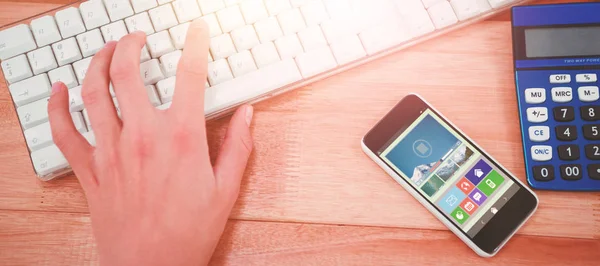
{"x": 310, "y": 196}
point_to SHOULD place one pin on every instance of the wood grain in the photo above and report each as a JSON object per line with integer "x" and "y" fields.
{"x": 308, "y": 174}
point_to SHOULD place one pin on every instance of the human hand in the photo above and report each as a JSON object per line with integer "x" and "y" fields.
{"x": 153, "y": 195}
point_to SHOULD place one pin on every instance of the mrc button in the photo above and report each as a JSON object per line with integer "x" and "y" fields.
{"x": 541, "y": 153}
{"x": 562, "y": 94}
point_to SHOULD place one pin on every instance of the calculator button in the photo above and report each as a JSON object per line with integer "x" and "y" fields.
{"x": 591, "y": 132}
{"x": 588, "y": 93}
{"x": 592, "y": 151}
{"x": 535, "y": 95}
{"x": 562, "y": 94}
{"x": 539, "y": 133}
{"x": 560, "y": 78}
{"x": 568, "y": 152}
{"x": 543, "y": 173}
{"x": 564, "y": 113}
{"x": 541, "y": 153}
{"x": 566, "y": 133}
{"x": 537, "y": 114}
{"x": 570, "y": 171}
{"x": 594, "y": 171}
{"x": 583, "y": 78}
{"x": 590, "y": 113}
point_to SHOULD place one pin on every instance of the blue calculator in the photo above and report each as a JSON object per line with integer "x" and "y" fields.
{"x": 557, "y": 64}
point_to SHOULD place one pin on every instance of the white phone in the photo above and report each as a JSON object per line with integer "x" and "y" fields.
{"x": 468, "y": 191}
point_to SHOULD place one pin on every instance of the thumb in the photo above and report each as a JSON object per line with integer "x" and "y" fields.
{"x": 234, "y": 153}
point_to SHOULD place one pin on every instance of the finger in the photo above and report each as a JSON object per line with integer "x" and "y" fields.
{"x": 125, "y": 75}
{"x": 71, "y": 143}
{"x": 97, "y": 99}
{"x": 235, "y": 151}
{"x": 192, "y": 69}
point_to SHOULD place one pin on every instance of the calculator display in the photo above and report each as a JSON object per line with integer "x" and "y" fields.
{"x": 562, "y": 42}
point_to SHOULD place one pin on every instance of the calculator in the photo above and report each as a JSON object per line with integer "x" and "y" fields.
{"x": 556, "y": 52}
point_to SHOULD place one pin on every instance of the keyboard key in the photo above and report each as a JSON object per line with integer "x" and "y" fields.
{"x": 419, "y": 22}
{"x": 241, "y": 63}
{"x": 383, "y": 37}
{"x": 566, "y": 133}
{"x": 153, "y": 96}
{"x": 15, "y": 41}
{"x": 535, "y": 95}
{"x": 347, "y": 49}
{"x": 145, "y": 55}
{"x": 221, "y": 46}
{"x": 39, "y": 136}
{"x": 41, "y": 60}
{"x": 592, "y": 151}
{"x": 244, "y": 38}
{"x": 166, "y": 89}
{"x": 253, "y": 11}
{"x": 30, "y": 90}
{"x": 48, "y": 160}
{"x": 274, "y": 7}
{"x": 564, "y": 113}
{"x": 159, "y": 44}
{"x": 312, "y": 38}
{"x": 466, "y": 9}
{"x": 114, "y": 31}
{"x": 169, "y": 62}
{"x": 315, "y": 61}
{"x": 210, "y": 6}
{"x": 560, "y": 78}
{"x": 338, "y": 29}
{"x": 139, "y": 22}
{"x": 570, "y": 171}
{"x": 537, "y": 114}
{"x": 500, "y": 3}
{"x": 69, "y": 22}
{"x": 230, "y": 19}
{"x": 265, "y": 54}
{"x": 288, "y": 46}
{"x": 585, "y": 78}
{"x": 291, "y": 21}
{"x": 543, "y": 172}
{"x": 93, "y": 14}
{"x": 143, "y": 5}
{"x": 218, "y": 72}
{"x": 568, "y": 152}
{"x": 118, "y": 9}
{"x": 163, "y": 17}
{"x": 590, "y": 113}
{"x": 151, "y": 72}
{"x": 86, "y": 117}
{"x": 178, "y": 35}
{"x": 541, "y": 153}
{"x": 562, "y": 94}
{"x": 34, "y": 113}
{"x": 90, "y": 137}
{"x": 588, "y": 93}
{"x": 314, "y": 13}
{"x": 442, "y": 14}
{"x": 75, "y": 100}
{"x": 65, "y": 75}
{"x": 90, "y": 42}
{"x": 231, "y": 2}
{"x": 16, "y": 69}
{"x": 590, "y": 132}
{"x": 214, "y": 28}
{"x": 66, "y": 51}
{"x": 80, "y": 67}
{"x": 116, "y": 104}
{"x": 186, "y": 10}
{"x": 594, "y": 171}
{"x": 539, "y": 133}
{"x": 268, "y": 30}
{"x": 45, "y": 31}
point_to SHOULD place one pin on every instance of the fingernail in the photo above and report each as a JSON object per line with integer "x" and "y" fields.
{"x": 56, "y": 87}
{"x": 109, "y": 44}
{"x": 249, "y": 114}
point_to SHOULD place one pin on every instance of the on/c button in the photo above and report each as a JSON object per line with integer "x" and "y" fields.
{"x": 539, "y": 133}
{"x": 541, "y": 153}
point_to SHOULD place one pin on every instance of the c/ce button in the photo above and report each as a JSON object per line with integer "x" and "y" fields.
{"x": 539, "y": 133}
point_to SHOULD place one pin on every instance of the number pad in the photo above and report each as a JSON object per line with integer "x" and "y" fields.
{"x": 566, "y": 133}
{"x": 570, "y": 171}
{"x": 543, "y": 172}
{"x": 564, "y": 113}
{"x": 592, "y": 151}
{"x": 591, "y": 132}
{"x": 590, "y": 113}
{"x": 568, "y": 152}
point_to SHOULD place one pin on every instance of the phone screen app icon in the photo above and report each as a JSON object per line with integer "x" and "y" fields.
{"x": 464, "y": 185}
{"x": 469, "y": 206}
{"x": 491, "y": 183}
{"x": 477, "y": 196}
{"x": 478, "y": 172}
{"x": 460, "y": 215}
{"x": 451, "y": 200}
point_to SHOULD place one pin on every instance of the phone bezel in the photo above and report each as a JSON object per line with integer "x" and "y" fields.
{"x": 499, "y": 229}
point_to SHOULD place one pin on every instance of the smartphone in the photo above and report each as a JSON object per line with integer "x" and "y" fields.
{"x": 468, "y": 191}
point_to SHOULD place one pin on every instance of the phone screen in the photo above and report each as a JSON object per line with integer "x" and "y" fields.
{"x": 462, "y": 183}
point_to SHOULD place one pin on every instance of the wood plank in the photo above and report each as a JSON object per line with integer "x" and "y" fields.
{"x": 46, "y": 238}
{"x": 308, "y": 166}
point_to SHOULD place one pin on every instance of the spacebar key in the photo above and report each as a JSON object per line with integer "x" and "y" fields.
{"x": 251, "y": 85}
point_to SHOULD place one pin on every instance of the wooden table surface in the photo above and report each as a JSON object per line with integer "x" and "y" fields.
{"x": 310, "y": 196}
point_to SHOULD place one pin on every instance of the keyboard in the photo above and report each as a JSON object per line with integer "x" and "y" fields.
{"x": 258, "y": 48}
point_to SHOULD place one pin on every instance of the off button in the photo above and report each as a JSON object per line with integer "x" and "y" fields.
{"x": 541, "y": 153}
{"x": 560, "y": 78}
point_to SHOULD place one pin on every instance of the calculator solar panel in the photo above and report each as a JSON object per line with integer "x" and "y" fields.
{"x": 557, "y": 64}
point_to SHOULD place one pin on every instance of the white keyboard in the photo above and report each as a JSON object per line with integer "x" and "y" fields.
{"x": 257, "y": 48}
